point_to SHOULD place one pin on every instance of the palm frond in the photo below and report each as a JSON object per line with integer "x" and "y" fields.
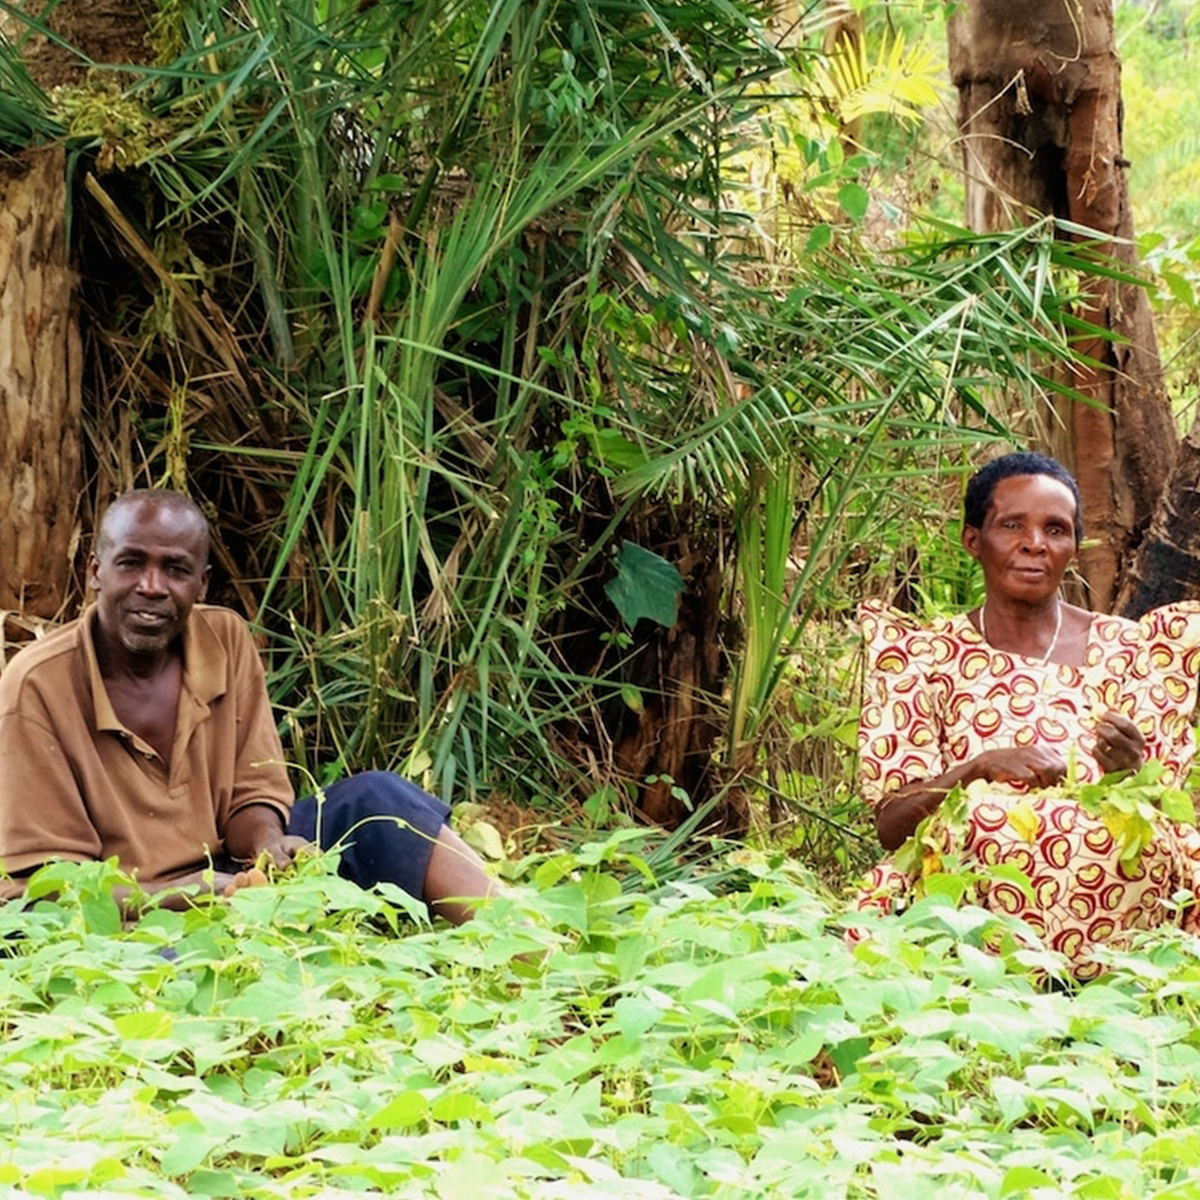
{"x": 899, "y": 80}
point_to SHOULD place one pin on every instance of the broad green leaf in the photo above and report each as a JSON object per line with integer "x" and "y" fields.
{"x": 613, "y": 448}
{"x": 1014, "y": 875}
{"x": 216, "y": 1183}
{"x": 401, "y": 1112}
{"x": 1177, "y": 805}
{"x": 818, "y": 238}
{"x": 1180, "y": 287}
{"x": 855, "y": 200}
{"x": 646, "y": 585}
{"x": 484, "y": 837}
{"x": 51, "y": 1180}
{"x": 1104, "y": 1187}
{"x": 846, "y": 1055}
{"x": 566, "y": 905}
{"x": 460, "y": 1106}
{"x": 635, "y": 1015}
{"x": 144, "y": 1026}
{"x": 1018, "y": 1180}
{"x": 188, "y": 1151}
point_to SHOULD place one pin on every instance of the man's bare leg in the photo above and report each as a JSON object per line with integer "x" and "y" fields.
{"x": 455, "y": 877}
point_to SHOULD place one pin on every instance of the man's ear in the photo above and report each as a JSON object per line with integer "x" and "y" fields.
{"x": 204, "y": 578}
{"x": 970, "y": 540}
{"x": 93, "y": 568}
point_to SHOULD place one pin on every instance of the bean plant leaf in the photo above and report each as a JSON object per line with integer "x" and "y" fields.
{"x": 646, "y": 585}
{"x": 484, "y": 837}
{"x": 855, "y": 200}
{"x": 818, "y": 238}
{"x": 308, "y": 1040}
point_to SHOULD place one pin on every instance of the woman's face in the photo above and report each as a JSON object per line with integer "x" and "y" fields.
{"x": 1027, "y": 540}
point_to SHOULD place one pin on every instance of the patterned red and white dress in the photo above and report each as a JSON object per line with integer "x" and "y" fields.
{"x": 938, "y": 695}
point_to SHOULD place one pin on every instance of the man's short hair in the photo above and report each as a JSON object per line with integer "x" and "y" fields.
{"x": 158, "y": 498}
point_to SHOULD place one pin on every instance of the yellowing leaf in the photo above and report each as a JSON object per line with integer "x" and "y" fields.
{"x": 900, "y": 81}
{"x": 1025, "y": 821}
{"x": 485, "y": 838}
{"x": 1131, "y": 831}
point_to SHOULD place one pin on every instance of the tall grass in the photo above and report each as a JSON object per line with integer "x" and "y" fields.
{"x": 441, "y": 303}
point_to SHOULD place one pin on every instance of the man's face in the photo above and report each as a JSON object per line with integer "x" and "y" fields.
{"x": 152, "y": 568}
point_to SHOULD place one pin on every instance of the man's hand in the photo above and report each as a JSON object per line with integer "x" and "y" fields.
{"x": 282, "y": 850}
{"x": 251, "y": 877}
{"x": 257, "y": 831}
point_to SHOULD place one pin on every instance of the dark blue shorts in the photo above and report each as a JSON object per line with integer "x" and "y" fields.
{"x": 384, "y": 825}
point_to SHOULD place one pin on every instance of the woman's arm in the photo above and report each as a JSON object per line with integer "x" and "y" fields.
{"x": 1119, "y": 747}
{"x": 899, "y": 813}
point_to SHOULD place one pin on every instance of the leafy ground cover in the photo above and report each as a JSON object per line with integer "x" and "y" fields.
{"x": 582, "y": 1038}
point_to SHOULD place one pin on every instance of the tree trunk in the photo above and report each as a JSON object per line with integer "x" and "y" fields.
{"x": 40, "y": 360}
{"x": 679, "y": 672}
{"x": 40, "y": 355}
{"x": 1040, "y": 118}
{"x": 86, "y": 32}
{"x": 1167, "y": 565}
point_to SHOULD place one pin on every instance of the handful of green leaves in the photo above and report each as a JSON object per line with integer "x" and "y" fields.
{"x": 1130, "y": 805}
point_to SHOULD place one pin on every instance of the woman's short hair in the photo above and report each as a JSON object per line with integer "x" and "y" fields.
{"x": 978, "y": 497}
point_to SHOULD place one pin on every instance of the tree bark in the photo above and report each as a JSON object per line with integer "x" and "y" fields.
{"x": 1040, "y": 118}
{"x": 86, "y": 32}
{"x": 679, "y": 671}
{"x": 1167, "y": 565}
{"x": 40, "y": 361}
{"x": 40, "y": 349}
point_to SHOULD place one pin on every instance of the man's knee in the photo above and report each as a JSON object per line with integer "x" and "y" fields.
{"x": 365, "y": 783}
{"x": 382, "y": 793}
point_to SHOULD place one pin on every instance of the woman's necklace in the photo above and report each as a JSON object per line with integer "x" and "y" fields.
{"x": 1058, "y": 607}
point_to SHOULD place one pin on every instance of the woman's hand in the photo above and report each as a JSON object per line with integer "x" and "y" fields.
{"x": 1119, "y": 743}
{"x": 1034, "y": 766}
{"x": 900, "y": 812}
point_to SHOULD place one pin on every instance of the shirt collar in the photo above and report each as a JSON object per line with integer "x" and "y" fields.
{"x": 204, "y": 666}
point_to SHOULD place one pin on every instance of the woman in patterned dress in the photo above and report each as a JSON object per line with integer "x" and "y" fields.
{"x": 1011, "y": 698}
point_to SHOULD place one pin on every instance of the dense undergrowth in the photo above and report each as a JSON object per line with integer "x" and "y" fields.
{"x": 582, "y": 1038}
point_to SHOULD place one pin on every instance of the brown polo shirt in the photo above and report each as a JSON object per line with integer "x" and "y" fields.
{"x": 76, "y": 784}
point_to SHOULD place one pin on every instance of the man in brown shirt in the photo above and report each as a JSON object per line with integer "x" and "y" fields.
{"x": 143, "y": 730}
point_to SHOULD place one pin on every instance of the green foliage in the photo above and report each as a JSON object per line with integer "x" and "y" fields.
{"x": 888, "y": 393}
{"x": 645, "y": 585}
{"x": 1158, "y": 45}
{"x": 1131, "y": 807}
{"x": 583, "y": 1038}
{"x": 450, "y": 302}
